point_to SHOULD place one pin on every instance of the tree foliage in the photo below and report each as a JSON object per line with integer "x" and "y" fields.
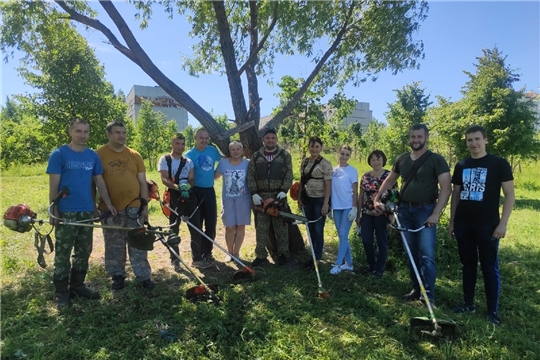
{"x": 240, "y": 38}
{"x": 490, "y": 100}
{"x": 23, "y": 140}
{"x": 59, "y": 63}
{"x": 153, "y": 133}
{"x": 410, "y": 108}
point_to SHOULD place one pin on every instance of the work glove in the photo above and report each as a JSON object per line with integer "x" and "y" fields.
{"x": 352, "y": 215}
{"x": 257, "y": 199}
{"x": 184, "y": 190}
{"x": 358, "y": 230}
{"x": 281, "y": 195}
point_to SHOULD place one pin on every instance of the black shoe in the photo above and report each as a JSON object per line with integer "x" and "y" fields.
{"x": 463, "y": 308}
{"x": 148, "y": 284}
{"x": 282, "y": 260}
{"x": 259, "y": 262}
{"x": 118, "y": 282}
{"x": 309, "y": 265}
{"x": 412, "y": 296}
{"x": 494, "y": 319}
{"x": 176, "y": 265}
{"x": 209, "y": 258}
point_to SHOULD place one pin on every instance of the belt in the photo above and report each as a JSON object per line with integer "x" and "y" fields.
{"x": 412, "y": 203}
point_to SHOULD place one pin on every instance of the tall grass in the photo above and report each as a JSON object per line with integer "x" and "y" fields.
{"x": 278, "y": 316}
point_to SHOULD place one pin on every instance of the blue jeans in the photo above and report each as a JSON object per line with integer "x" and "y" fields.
{"x": 476, "y": 241}
{"x": 316, "y": 230}
{"x": 343, "y": 227}
{"x": 378, "y": 225}
{"x": 422, "y": 245}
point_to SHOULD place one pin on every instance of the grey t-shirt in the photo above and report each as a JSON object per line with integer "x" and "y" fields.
{"x": 234, "y": 179}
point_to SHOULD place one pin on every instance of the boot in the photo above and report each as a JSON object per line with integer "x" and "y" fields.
{"x": 77, "y": 286}
{"x": 62, "y": 293}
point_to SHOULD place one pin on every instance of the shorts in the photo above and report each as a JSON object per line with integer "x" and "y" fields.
{"x": 236, "y": 211}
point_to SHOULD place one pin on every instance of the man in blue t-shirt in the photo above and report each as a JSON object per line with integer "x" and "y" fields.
{"x": 475, "y": 221}
{"x": 75, "y": 167}
{"x": 204, "y": 159}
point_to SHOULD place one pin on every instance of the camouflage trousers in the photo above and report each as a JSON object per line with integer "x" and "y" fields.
{"x": 68, "y": 238}
{"x": 116, "y": 244}
{"x": 263, "y": 223}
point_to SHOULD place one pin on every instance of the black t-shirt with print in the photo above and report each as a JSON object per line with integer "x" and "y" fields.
{"x": 480, "y": 181}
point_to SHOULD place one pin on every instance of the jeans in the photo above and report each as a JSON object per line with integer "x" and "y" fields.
{"x": 422, "y": 245}
{"x": 476, "y": 242}
{"x": 343, "y": 227}
{"x": 208, "y": 216}
{"x": 316, "y": 230}
{"x": 378, "y": 225}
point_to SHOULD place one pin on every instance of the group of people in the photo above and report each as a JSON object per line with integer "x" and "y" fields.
{"x": 118, "y": 173}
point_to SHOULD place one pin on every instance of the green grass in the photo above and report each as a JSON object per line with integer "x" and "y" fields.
{"x": 278, "y": 316}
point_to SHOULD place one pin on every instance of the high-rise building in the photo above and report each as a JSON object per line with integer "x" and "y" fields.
{"x": 161, "y": 101}
{"x": 361, "y": 114}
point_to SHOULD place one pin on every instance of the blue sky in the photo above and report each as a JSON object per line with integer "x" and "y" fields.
{"x": 454, "y": 34}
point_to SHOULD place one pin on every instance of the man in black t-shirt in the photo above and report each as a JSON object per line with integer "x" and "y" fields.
{"x": 475, "y": 221}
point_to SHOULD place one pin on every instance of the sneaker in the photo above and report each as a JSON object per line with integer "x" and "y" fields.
{"x": 376, "y": 275}
{"x": 228, "y": 258}
{"x": 336, "y": 269}
{"x": 259, "y": 262}
{"x": 282, "y": 260}
{"x": 494, "y": 319}
{"x": 176, "y": 265}
{"x": 347, "y": 267}
{"x": 148, "y": 284}
{"x": 413, "y": 295}
{"x": 200, "y": 264}
{"x": 118, "y": 282}
{"x": 463, "y": 308}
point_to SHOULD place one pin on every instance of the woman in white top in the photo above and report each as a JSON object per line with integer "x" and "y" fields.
{"x": 344, "y": 201}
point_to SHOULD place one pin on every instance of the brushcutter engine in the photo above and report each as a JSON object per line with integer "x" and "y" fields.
{"x": 19, "y": 218}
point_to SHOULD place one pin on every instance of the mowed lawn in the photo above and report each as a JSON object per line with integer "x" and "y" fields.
{"x": 277, "y": 316}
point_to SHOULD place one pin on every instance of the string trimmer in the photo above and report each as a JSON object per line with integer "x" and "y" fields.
{"x": 439, "y": 328}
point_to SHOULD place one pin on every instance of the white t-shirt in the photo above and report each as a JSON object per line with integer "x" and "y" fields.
{"x": 175, "y": 163}
{"x": 342, "y": 187}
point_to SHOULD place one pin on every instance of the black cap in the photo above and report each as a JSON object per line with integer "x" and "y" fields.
{"x": 270, "y": 131}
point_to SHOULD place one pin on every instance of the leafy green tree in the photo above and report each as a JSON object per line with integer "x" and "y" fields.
{"x": 490, "y": 100}
{"x": 23, "y": 140}
{"x": 70, "y": 80}
{"x": 409, "y": 109}
{"x": 506, "y": 113}
{"x": 306, "y": 118}
{"x": 153, "y": 133}
{"x": 239, "y": 38}
{"x": 374, "y": 139}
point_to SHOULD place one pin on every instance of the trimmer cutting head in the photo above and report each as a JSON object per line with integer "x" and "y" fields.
{"x": 244, "y": 274}
{"x": 438, "y": 329}
{"x": 203, "y": 293}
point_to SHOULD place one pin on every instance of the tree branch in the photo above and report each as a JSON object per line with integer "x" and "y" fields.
{"x": 254, "y": 53}
{"x": 98, "y": 25}
{"x": 287, "y": 110}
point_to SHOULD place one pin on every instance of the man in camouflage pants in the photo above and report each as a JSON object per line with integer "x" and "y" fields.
{"x": 74, "y": 166}
{"x": 270, "y": 176}
{"x": 125, "y": 176}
